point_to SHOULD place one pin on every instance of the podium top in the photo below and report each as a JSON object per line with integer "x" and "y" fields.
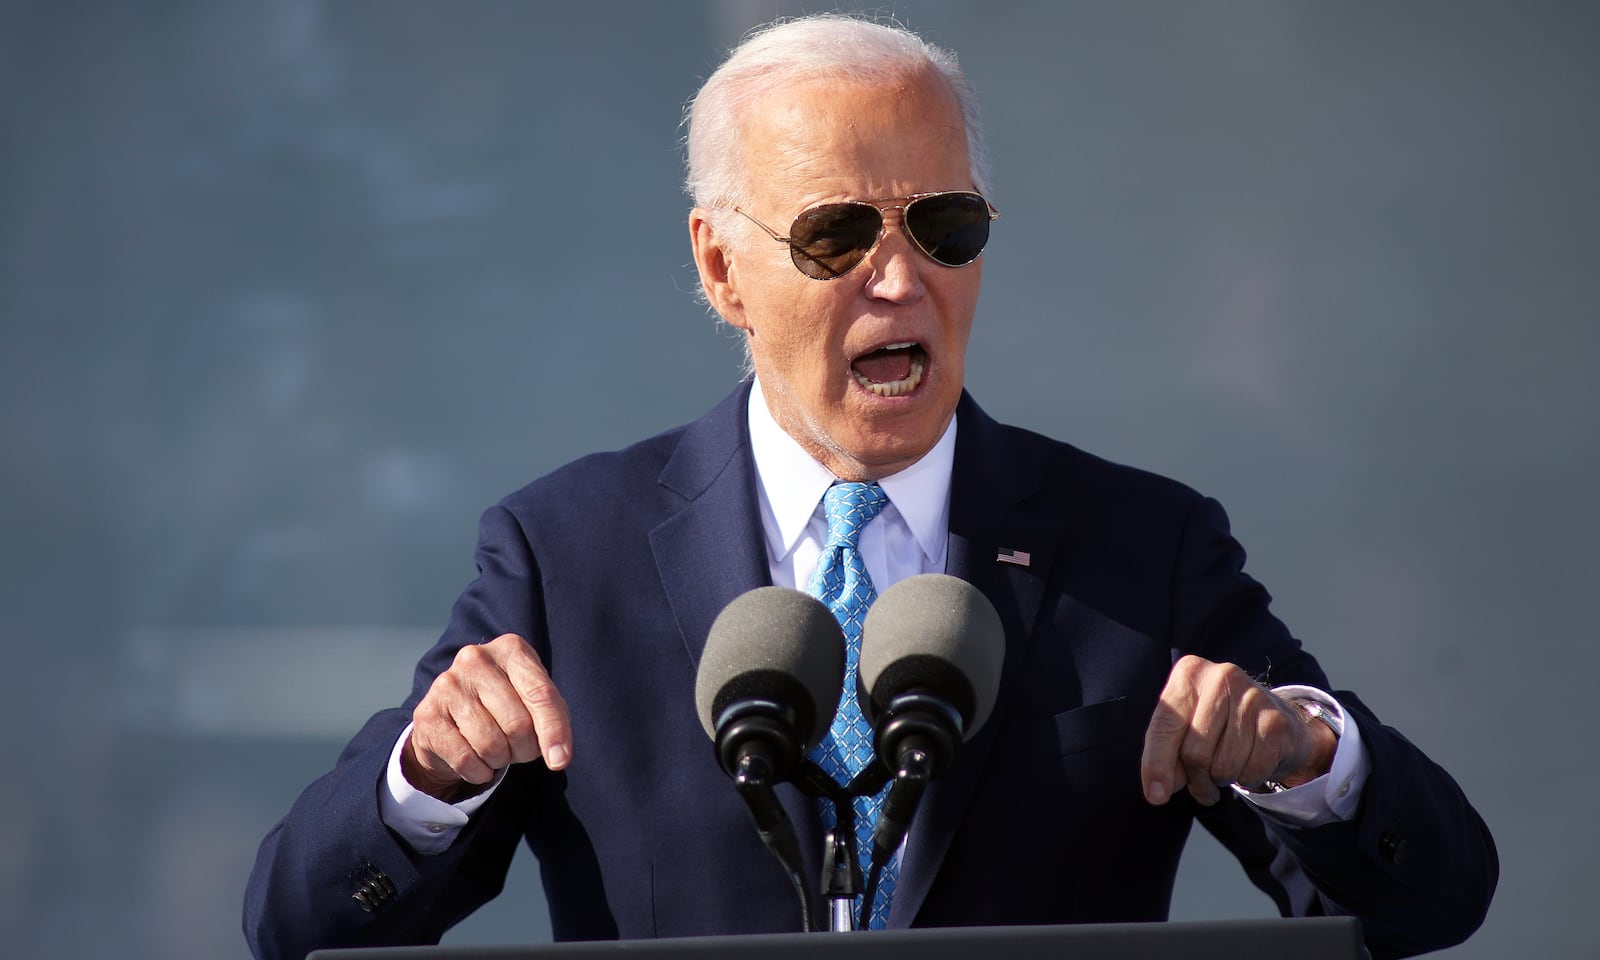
{"x": 1312, "y": 938}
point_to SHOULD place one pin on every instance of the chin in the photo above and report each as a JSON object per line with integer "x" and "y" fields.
{"x": 884, "y": 453}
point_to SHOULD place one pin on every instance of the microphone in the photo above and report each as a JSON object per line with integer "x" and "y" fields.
{"x": 766, "y": 690}
{"x": 931, "y": 651}
{"x": 768, "y": 681}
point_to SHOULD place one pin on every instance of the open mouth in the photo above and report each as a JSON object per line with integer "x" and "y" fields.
{"x": 891, "y": 371}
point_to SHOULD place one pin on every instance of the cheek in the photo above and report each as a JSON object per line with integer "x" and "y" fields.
{"x": 809, "y": 332}
{"x": 792, "y": 346}
{"x": 957, "y": 305}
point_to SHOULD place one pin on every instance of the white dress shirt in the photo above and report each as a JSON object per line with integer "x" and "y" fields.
{"x": 909, "y": 536}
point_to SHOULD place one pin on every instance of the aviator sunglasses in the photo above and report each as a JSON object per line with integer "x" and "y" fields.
{"x": 828, "y": 240}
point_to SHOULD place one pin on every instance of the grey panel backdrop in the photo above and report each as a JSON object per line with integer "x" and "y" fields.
{"x": 291, "y": 290}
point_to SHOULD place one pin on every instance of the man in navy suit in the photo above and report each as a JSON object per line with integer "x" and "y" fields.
{"x": 838, "y": 223}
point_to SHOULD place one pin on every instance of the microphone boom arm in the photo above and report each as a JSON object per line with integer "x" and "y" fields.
{"x": 894, "y": 820}
{"x": 754, "y": 781}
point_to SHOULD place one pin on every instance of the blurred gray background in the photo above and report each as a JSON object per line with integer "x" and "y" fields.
{"x": 290, "y": 291}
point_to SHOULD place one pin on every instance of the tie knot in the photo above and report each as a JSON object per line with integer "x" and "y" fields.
{"x": 848, "y": 507}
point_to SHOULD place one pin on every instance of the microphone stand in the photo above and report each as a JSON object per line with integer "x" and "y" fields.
{"x": 755, "y": 757}
{"x": 923, "y": 733}
{"x": 841, "y": 866}
{"x": 841, "y": 876}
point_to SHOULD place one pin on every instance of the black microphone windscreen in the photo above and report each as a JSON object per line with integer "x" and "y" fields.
{"x": 937, "y": 633}
{"x": 777, "y": 644}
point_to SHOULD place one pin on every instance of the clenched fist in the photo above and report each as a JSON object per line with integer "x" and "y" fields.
{"x": 1215, "y": 726}
{"x": 495, "y": 706}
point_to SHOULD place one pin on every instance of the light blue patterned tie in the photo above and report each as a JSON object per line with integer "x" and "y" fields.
{"x": 841, "y": 581}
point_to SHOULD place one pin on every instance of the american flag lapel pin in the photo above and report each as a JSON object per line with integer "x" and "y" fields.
{"x": 1021, "y": 558}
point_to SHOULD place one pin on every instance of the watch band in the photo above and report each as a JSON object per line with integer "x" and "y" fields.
{"x": 1316, "y": 710}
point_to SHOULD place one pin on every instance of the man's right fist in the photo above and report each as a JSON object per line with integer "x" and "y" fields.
{"x": 495, "y": 706}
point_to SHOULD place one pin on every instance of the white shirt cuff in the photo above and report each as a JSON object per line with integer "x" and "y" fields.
{"x": 427, "y": 824}
{"x": 1335, "y": 795}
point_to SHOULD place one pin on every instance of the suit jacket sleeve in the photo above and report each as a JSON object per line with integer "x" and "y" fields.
{"x": 330, "y": 873}
{"x": 1416, "y": 864}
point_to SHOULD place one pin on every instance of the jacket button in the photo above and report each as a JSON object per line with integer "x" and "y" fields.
{"x": 1393, "y": 847}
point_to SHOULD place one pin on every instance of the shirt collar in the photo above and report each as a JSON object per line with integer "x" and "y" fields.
{"x": 792, "y": 483}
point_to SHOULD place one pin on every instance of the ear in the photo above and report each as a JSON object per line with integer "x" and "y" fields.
{"x": 714, "y": 258}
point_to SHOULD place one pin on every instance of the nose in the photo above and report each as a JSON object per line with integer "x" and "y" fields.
{"x": 895, "y": 263}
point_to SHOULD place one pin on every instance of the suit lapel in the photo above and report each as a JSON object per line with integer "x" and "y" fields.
{"x": 712, "y": 550}
{"x": 989, "y": 484}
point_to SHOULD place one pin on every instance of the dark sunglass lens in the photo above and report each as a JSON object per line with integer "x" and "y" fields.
{"x": 829, "y": 240}
{"x": 951, "y": 228}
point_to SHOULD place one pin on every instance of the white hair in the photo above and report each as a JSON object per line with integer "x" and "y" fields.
{"x": 784, "y": 52}
{"x": 787, "y": 51}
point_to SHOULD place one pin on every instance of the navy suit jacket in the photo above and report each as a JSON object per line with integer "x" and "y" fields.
{"x": 614, "y": 568}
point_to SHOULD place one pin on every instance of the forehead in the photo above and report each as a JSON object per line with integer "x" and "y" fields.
{"x": 832, "y": 137}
